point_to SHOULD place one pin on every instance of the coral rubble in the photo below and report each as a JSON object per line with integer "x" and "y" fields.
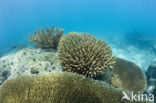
{"x": 84, "y": 54}
{"x": 48, "y": 39}
{"x": 28, "y": 61}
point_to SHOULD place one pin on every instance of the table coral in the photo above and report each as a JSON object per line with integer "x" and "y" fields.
{"x": 128, "y": 75}
{"x": 59, "y": 88}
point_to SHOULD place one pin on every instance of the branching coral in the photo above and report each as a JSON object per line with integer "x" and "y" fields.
{"x": 59, "y": 88}
{"x": 128, "y": 75}
{"x": 50, "y": 39}
{"x": 84, "y": 54}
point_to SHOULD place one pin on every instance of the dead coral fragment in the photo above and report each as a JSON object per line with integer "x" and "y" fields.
{"x": 84, "y": 54}
{"x": 50, "y": 39}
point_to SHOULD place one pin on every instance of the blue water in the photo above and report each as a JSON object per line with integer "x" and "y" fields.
{"x": 19, "y": 18}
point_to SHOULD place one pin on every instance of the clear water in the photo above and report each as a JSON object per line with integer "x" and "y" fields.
{"x": 115, "y": 21}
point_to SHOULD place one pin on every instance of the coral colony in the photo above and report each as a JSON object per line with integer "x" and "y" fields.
{"x": 126, "y": 73}
{"x": 48, "y": 39}
{"x": 84, "y": 54}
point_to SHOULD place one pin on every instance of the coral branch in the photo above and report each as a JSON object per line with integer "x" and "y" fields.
{"x": 50, "y": 39}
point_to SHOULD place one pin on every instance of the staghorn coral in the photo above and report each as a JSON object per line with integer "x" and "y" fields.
{"x": 128, "y": 75}
{"x": 50, "y": 39}
{"x": 84, "y": 54}
{"x": 59, "y": 88}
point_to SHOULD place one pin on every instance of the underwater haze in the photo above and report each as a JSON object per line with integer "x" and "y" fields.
{"x": 129, "y": 26}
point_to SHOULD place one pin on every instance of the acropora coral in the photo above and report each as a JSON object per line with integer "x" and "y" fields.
{"x": 82, "y": 53}
{"x": 128, "y": 75}
{"x": 59, "y": 88}
{"x": 48, "y": 39}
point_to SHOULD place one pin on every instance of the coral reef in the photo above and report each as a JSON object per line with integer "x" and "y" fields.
{"x": 141, "y": 40}
{"x": 84, "y": 54}
{"x": 28, "y": 61}
{"x": 59, "y": 88}
{"x": 50, "y": 39}
{"x": 129, "y": 76}
{"x": 35, "y": 75}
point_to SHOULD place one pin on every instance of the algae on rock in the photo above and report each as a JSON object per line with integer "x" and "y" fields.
{"x": 48, "y": 39}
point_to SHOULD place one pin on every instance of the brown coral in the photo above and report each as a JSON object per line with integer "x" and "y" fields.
{"x": 59, "y": 88}
{"x": 84, "y": 54}
{"x": 50, "y": 39}
{"x": 128, "y": 75}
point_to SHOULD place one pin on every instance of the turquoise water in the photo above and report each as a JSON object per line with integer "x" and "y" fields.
{"x": 128, "y": 26}
{"x": 102, "y": 18}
